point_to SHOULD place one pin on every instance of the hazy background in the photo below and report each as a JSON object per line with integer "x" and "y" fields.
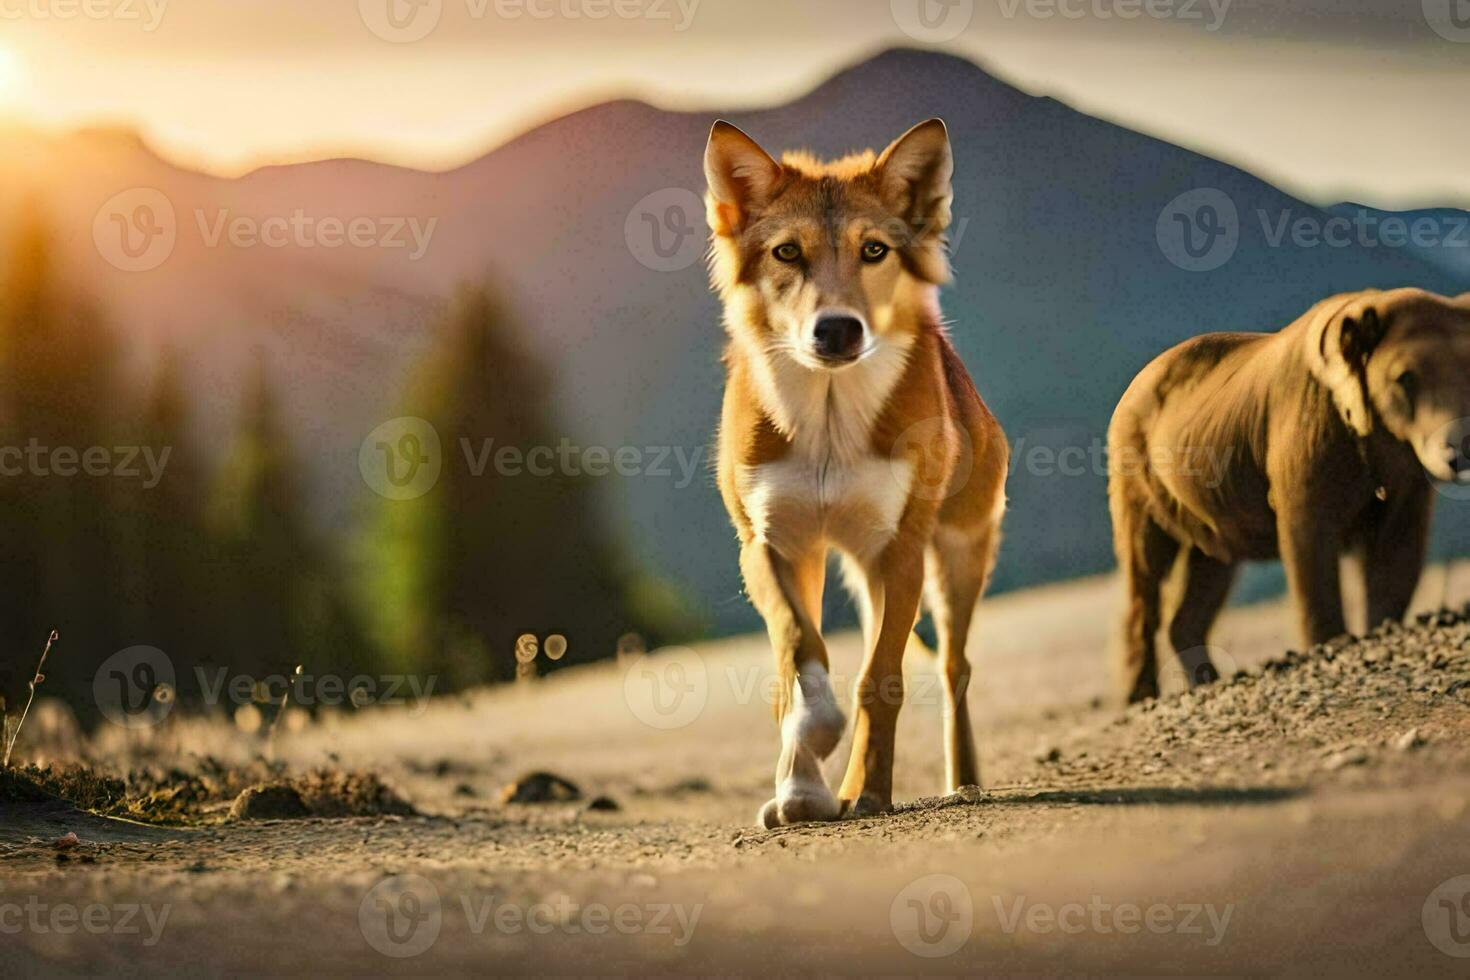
{"x": 1332, "y": 99}
{"x": 524, "y": 270}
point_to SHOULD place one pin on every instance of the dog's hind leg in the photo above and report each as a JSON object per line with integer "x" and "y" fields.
{"x": 1145, "y": 553}
{"x": 788, "y": 595}
{"x": 1202, "y": 593}
{"x": 957, "y": 566}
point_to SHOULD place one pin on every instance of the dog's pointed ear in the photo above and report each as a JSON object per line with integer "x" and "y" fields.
{"x": 916, "y": 173}
{"x": 741, "y": 177}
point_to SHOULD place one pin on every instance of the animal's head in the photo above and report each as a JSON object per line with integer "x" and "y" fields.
{"x": 1405, "y": 354}
{"x": 828, "y": 262}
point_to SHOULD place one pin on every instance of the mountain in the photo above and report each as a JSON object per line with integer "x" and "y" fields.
{"x": 1081, "y": 249}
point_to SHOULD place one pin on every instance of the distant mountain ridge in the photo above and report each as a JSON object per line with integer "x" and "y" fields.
{"x": 1081, "y": 250}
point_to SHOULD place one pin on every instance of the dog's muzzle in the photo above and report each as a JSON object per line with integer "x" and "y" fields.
{"x": 838, "y": 337}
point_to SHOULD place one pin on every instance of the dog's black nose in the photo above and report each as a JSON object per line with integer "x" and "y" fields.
{"x": 838, "y": 337}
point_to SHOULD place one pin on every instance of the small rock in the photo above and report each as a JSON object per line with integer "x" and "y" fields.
{"x": 1353, "y": 756}
{"x": 540, "y": 787}
{"x": 275, "y": 801}
{"x": 68, "y": 842}
{"x": 603, "y": 803}
{"x": 1410, "y": 739}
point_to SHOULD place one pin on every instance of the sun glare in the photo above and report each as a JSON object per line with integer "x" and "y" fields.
{"x": 12, "y": 76}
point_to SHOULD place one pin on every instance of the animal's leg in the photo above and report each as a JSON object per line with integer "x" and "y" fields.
{"x": 1311, "y": 553}
{"x": 1145, "y": 554}
{"x": 958, "y": 564}
{"x": 1205, "y": 587}
{"x": 786, "y": 592}
{"x": 895, "y": 581}
{"x": 1393, "y": 556}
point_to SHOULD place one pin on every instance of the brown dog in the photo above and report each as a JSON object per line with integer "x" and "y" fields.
{"x": 849, "y": 423}
{"x": 1304, "y": 444}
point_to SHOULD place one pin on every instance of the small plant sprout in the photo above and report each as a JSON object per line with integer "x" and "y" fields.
{"x": 35, "y": 683}
{"x": 270, "y": 739}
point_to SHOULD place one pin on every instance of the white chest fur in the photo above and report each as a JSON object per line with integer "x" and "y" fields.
{"x": 798, "y": 502}
{"x": 831, "y": 487}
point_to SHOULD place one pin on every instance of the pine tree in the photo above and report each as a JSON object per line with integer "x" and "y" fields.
{"x": 455, "y": 576}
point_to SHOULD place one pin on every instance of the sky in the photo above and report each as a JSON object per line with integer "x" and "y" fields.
{"x": 1330, "y": 99}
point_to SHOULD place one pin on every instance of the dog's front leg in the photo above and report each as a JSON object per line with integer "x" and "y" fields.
{"x": 787, "y": 593}
{"x": 895, "y": 583}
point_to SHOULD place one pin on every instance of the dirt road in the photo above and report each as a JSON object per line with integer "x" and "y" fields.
{"x": 1312, "y": 817}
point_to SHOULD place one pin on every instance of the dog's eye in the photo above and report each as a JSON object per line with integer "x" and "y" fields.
{"x": 1408, "y": 382}
{"x": 874, "y": 251}
{"x": 787, "y": 252}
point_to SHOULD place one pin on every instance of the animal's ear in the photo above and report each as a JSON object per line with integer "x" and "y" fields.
{"x": 916, "y": 172}
{"x": 741, "y": 177}
{"x": 1359, "y": 336}
{"x": 1344, "y": 342}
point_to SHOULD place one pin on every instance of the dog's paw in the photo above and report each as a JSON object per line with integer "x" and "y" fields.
{"x": 866, "y": 805}
{"x": 799, "y": 802}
